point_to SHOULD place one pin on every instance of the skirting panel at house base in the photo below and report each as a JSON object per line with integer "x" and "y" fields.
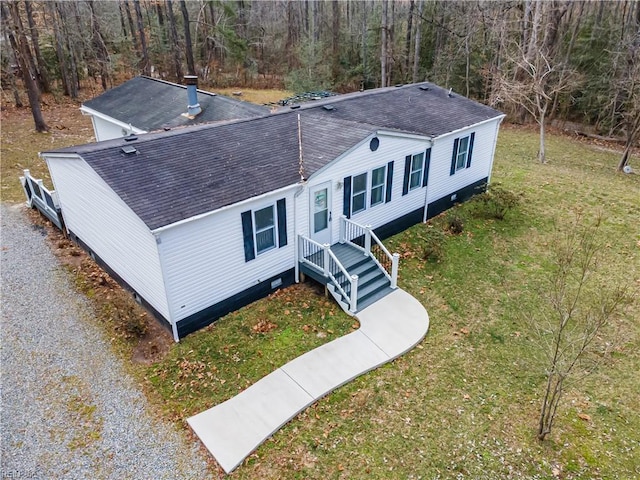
{"x": 163, "y": 321}
{"x": 214, "y": 312}
{"x": 459, "y": 196}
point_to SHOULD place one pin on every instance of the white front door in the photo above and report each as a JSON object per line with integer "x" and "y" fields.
{"x": 320, "y": 214}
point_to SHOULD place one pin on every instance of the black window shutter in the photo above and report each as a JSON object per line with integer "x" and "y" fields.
{"x": 346, "y": 207}
{"x": 247, "y": 233}
{"x": 387, "y": 196}
{"x": 473, "y": 136}
{"x": 407, "y": 172}
{"x": 427, "y": 163}
{"x": 282, "y": 222}
{"x": 455, "y": 154}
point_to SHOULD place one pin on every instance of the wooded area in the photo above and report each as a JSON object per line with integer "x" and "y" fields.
{"x": 535, "y": 60}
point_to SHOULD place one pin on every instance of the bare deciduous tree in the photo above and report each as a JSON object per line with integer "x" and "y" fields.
{"x": 534, "y": 89}
{"x": 571, "y": 323}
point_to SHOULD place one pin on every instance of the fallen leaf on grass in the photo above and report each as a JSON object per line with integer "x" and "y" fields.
{"x": 584, "y": 417}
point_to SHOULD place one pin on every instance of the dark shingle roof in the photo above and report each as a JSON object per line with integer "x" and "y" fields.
{"x": 424, "y": 109}
{"x": 151, "y": 104}
{"x": 190, "y": 171}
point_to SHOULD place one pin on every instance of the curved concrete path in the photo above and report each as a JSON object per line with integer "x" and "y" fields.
{"x": 235, "y": 428}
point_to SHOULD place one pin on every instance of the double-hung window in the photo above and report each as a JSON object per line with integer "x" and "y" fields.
{"x": 265, "y": 229}
{"x": 415, "y": 175}
{"x": 378, "y": 180}
{"x": 359, "y": 193}
{"x": 462, "y": 151}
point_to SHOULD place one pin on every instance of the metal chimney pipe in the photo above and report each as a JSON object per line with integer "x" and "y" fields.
{"x": 193, "y": 108}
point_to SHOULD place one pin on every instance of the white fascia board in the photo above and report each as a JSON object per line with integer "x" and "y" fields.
{"x": 498, "y": 118}
{"x": 95, "y": 113}
{"x": 46, "y": 155}
{"x": 222, "y": 209}
{"x": 413, "y": 136}
{"x": 388, "y": 133}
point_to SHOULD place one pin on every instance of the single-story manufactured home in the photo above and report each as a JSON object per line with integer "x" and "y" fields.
{"x": 145, "y": 104}
{"x": 201, "y": 220}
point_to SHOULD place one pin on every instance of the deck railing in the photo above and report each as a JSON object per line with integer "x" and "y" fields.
{"x": 363, "y": 238}
{"x": 321, "y": 258}
{"x": 40, "y": 197}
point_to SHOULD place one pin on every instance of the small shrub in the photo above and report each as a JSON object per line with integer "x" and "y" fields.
{"x": 455, "y": 223}
{"x": 497, "y": 201}
{"x": 135, "y": 326}
{"x": 433, "y": 248}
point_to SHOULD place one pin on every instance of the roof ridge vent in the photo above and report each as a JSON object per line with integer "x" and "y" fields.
{"x": 328, "y": 107}
{"x": 424, "y": 88}
{"x": 130, "y": 138}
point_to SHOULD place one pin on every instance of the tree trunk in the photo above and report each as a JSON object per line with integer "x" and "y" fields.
{"x": 365, "y": 72}
{"x": 173, "y": 33}
{"x": 43, "y": 75}
{"x": 633, "y": 131}
{"x": 407, "y": 43}
{"x": 383, "y": 45}
{"x": 132, "y": 28}
{"x": 62, "y": 63}
{"x": 72, "y": 70}
{"x": 188, "y": 46}
{"x": 418, "y": 40}
{"x": 122, "y": 23}
{"x": 99, "y": 47}
{"x": 335, "y": 40}
{"x": 21, "y": 51}
{"x": 542, "y": 158}
{"x": 145, "y": 65}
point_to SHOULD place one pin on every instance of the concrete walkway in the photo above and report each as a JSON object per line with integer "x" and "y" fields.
{"x": 235, "y": 428}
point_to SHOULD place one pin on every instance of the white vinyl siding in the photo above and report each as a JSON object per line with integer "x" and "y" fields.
{"x": 441, "y": 182}
{"x": 204, "y": 259}
{"x": 99, "y": 217}
{"x": 392, "y": 148}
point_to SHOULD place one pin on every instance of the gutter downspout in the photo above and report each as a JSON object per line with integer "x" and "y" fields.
{"x": 426, "y": 193}
{"x": 301, "y": 189}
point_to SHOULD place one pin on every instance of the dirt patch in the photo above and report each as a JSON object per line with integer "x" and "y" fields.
{"x": 113, "y": 305}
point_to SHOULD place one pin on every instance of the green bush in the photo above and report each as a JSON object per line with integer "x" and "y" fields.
{"x": 496, "y": 202}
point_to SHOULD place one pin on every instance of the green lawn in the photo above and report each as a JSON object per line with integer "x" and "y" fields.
{"x": 464, "y": 403}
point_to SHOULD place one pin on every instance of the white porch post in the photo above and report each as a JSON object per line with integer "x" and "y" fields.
{"x": 367, "y": 240}
{"x": 354, "y": 294}
{"x": 297, "y": 258}
{"x": 326, "y": 247}
{"x": 394, "y": 270}
{"x": 343, "y": 229}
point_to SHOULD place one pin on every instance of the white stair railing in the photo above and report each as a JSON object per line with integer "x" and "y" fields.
{"x": 363, "y": 238}
{"x": 321, "y": 258}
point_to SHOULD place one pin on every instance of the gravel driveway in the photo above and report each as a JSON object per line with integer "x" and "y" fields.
{"x": 68, "y": 408}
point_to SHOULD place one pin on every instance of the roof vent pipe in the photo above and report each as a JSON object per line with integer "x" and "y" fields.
{"x": 193, "y": 108}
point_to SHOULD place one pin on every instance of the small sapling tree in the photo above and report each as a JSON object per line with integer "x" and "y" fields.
{"x": 572, "y": 323}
